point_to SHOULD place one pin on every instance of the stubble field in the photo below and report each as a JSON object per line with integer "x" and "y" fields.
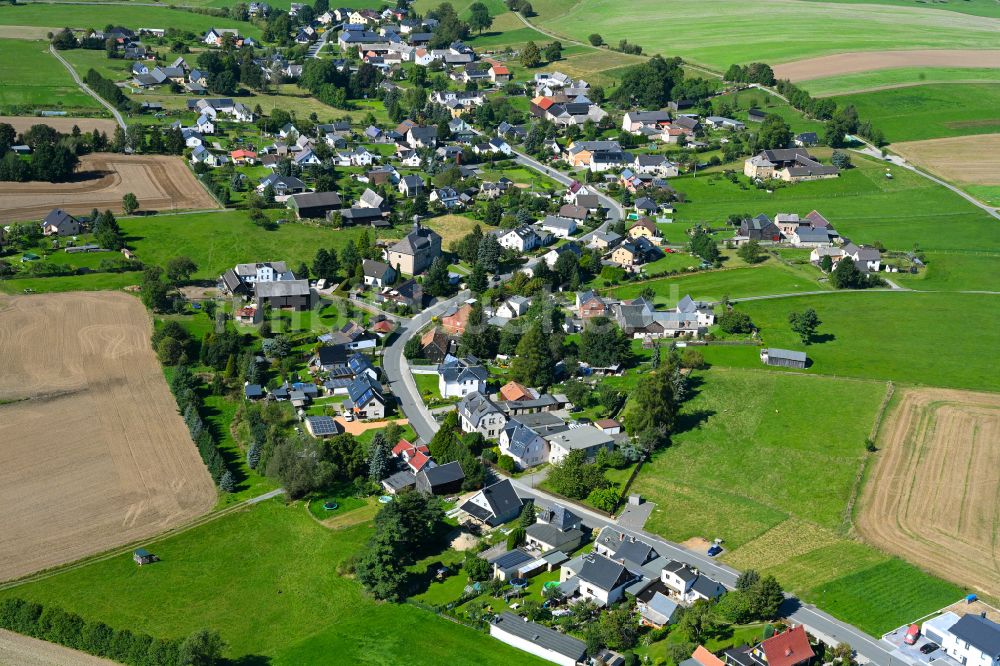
{"x": 933, "y": 496}
{"x": 158, "y": 181}
{"x": 969, "y": 160}
{"x": 95, "y": 454}
{"x": 864, "y": 61}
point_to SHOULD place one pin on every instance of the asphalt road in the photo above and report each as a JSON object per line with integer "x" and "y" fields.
{"x": 397, "y": 370}
{"x": 85, "y": 88}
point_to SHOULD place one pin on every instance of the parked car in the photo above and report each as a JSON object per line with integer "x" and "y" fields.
{"x": 927, "y": 648}
{"x": 912, "y": 634}
{"x": 348, "y": 416}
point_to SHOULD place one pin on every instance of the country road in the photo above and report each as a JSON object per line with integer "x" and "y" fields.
{"x": 85, "y": 88}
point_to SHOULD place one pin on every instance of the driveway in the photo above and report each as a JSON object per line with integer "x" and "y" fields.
{"x": 356, "y": 427}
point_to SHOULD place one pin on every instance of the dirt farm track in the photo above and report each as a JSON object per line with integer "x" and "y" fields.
{"x": 159, "y": 182}
{"x": 95, "y": 454}
{"x": 933, "y": 496}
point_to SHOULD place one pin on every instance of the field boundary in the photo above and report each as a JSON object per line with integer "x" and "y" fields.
{"x": 848, "y": 520}
{"x": 122, "y": 550}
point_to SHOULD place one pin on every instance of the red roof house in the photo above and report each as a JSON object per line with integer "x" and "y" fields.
{"x": 512, "y": 392}
{"x": 789, "y": 648}
{"x": 706, "y": 658}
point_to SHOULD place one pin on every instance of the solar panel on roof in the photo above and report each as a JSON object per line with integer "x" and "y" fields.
{"x": 322, "y": 425}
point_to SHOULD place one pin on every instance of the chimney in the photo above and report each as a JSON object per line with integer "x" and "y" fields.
{"x": 788, "y": 652}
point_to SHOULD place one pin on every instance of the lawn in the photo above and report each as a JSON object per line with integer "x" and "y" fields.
{"x": 266, "y": 578}
{"x": 768, "y": 278}
{"x": 894, "y": 592}
{"x": 92, "y": 282}
{"x": 755, "y": 436}
{"x": 862, "y": 204}
{"x": 757, "y": 464}
{"x": 34, "y": 80}
{"x": 934, "y": 339}
{"x": 97, "y": 16}
{"x": 739, "y": 32}
{"x": 454, "y": 227}
{"x": 744, "y": 100}
{"x": 930, "y": 111}
{"x": 952, "y": 271}
{"x": 428, "y": 387}
{"x": 217, "y": 241}
{"x": 899, "y": 76}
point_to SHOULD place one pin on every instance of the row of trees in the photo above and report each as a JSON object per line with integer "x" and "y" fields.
{"x": 184, "y": 386}
{"x": 52, "y": 159}
{"x": 203, "y": 647}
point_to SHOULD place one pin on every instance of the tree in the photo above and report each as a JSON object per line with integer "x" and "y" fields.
{"x": 774, "y": 133}
{"x": 826, "y": 263}
{"x": 750, "y": 252}
{"x": 153, "y": 289}
{"x": 381, "y": 569}
{"x": 530, "y": 56}
{"x": 180, "y": 269}
{"x": 574, "y": 477}
{"x": 653, "y": 404}
{"x": 412, "y": 349}
{"x": 478, "y": 280}
{"x": 768, "y": 598}
{"x": 129, "y": 204}
{"x": 596, "y": 40}
{"x": 553, "y": 51}
{"x": 697, "y": 621}
{"x": 703, "y": 245}
{"x": 747, "y": 580}
{"x": 529, "y": 515}
{"x": 378, "y": 458}
{"x": 228, "y": 482}
{"x": 840, "y": 159}
{"x": 436, "y": 282}
{"x": 488, "y": 253}
{"x": 804, "y": 323}
{"x": 847, "y": 276}
{"x": 203, "y": 647}
{"x": 476, "y": 568}
{"x": 735, "y": 322}
{"x": 515, "y": 538}
{"x": 619, "y": 628}
{"x": 604, "y": 344}
{"x": 109, "y": 235}
{"x": 533, "y": 363}
{"x": 169, "y": 351}
{"x": 479, "y": 17}
{"x": 605, "y": 499}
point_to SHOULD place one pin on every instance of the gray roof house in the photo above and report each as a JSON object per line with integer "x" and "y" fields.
{"x": 538, "y": 640}
{"x": 598, "y": 578}
{"x": 459, "y": 377}
{"x": 477, "y": 413}
{"x": 556, "y": 528}
{"x": 441, "y": 479}
{"x": 495, "y": 504}
{"x": 415, "y": 252}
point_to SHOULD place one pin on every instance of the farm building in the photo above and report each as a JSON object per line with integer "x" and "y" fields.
{"x": 535, "y": 639}
{"x": 783, "y": 357}
{"x": 314, "y": 204}
{"x": 441, "y": 480}
{"x": 284, "y": 294}
{"x": 143, "y": 556}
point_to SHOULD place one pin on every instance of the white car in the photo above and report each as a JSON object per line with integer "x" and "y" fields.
{"x": 348, "y": 416}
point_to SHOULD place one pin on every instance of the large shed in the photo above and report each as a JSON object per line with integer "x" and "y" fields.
{"x": 783, "y": 357}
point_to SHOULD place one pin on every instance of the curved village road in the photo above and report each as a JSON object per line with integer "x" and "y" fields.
{"x": 85, "y": 88}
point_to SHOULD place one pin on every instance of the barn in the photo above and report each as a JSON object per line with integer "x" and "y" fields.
{"x": 314, "y": 204}
{"x": 783, "y": 357}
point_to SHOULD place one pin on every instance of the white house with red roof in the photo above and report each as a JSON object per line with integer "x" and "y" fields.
{"x": 789, "y": 648}
{"x": 416, "y": 457}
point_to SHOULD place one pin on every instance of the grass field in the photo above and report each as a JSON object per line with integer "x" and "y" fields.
{"x": 34, "y": 80}
{"x": 765, "y": 279}
{"x": 744, "y": 100}
{"x": 931, "y": 339}
{"x": 903, "y": 76}
{"x": 97, "y": 16}
{"x": 947, "y": 271}
{"x": 930, "y": 111}
{"x": 454, "y": 227}
{"x": 862, "y": 204}
{"x": 987, "y": 8}
{"x": 266, "y": 579}
{"x": 756, "y": 464}
{"x": 740, "y": 32}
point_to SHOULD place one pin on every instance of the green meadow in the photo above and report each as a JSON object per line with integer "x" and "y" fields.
{"x": 932, "y": 339}
{"x": 98, "y": 15}
{"x": 740, "y": 32}
{"x": 901, "y": 76}
{"x": 767, "y": 461}
{"x": 34, "y": 80}
{"x": 987, "y": 8}
{"x": 266, "y": 578}
{"x": 930, "y": 111}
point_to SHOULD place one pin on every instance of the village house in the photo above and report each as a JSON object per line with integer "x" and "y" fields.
{"x": 581, "y": 438}
{"x": 537, "y": 639}
{"x": 434, "y": 345}
{"x": 313, "y": 204}
{"x": 365, "y": 398}
{"x": 789, "y": 164}
{"x": 60, "y": 223}
{"x": 443, "y": 479}
{"x": 495, "y": 504}
{"x": 377, "y": 274}
{"x": 416, "y": 251}
{"x": 789, "y": 648}
{"x": 689, "y": 585}
{"x": 477, "y": 413}
{"x": 523, "y": 444}
{"x": 759, "y": 228}
{"x": 635, "y": 121}
{"x": 555, "y": 528}
{"x": 644, "y": 227}
{"x": 523, "y": 239}
{"x": 560, "y": 227}
{"x": 454, "y": 322}
{"x": 597, "y": 578}
{"x": 589, "y": 305}
{"x": 633, "y": 253}
{"x": 287, "y": 294}
{"x": 458, "y": 377}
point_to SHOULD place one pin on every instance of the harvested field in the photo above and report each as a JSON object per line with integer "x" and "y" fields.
{"x": 865, "y": 61}
{"x": 95, "y": 454}
{"x": 29, "y": 32}
{"x": 933, "y": 496}
{"x": 62, "y": 124}
{"x": 18, "y": 650}
{"x": 158, "y": 181}
{"x": 969, "y": 160}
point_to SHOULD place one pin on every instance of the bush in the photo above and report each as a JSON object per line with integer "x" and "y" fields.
{"x": 506, "y": 463}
